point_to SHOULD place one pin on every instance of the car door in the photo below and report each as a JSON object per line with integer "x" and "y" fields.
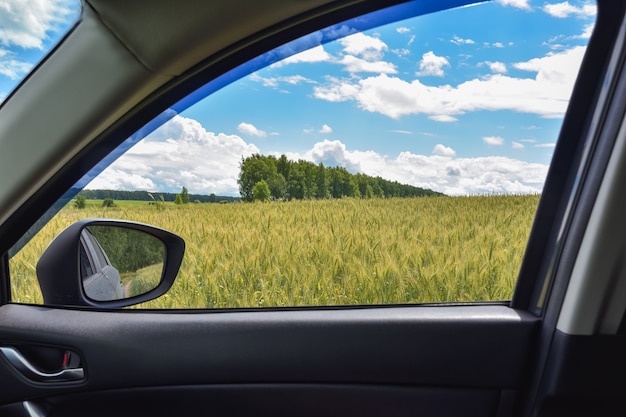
{"x": 554, "y": 349}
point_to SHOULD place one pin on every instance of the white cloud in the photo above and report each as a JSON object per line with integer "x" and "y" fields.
{"x": 275, "y": 82}
{"x": 402, "y": 132}
{"x": 401, "y": 52}
{"x": 368, "y": 47}
{"x": 519, "y": 4}
{"x": 27, "y": 25}
{"x": 326, "y": 129}
{"x": 179, "y": 153}
{"x": 12, "y": 68}
{"x": 493, "y": 140}
{"x": 442, "y": 150}
{"x": 121, "y": 179}
{"x": 250, "y": 129}
{"x": 183, "y": 153}
{"x": 565, "y": 9}
{"x": 445, "y": 118}
{"x": 403, "y": 30}
{"x": 545, "y": 145}
{"x": 447, "y": 174}
{"x": 432, "y": 64}
{"x": 546, "y": 95}
{"x": 354, "y": 64}
{"x": 495, "y": 44}
{"x": 587, "y": 31}
{"x": 313, "y": 55}
{"x": 295, "y": 79}
{"x": 497, "y": 67}
{"x": 517, "y": 145}
{"x": 460, "y": 41}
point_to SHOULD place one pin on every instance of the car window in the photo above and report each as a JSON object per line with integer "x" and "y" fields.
{"x": 27, "y": 33}
{"x": 397, "y": 164}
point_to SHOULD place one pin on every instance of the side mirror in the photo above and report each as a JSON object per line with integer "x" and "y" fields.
{"x": 109, "y": 264}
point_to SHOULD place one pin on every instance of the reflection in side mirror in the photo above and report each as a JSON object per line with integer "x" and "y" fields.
{"x": 117, "y": 262}
{"x": 109, "y": 264}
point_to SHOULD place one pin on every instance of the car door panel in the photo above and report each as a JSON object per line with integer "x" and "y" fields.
{"x": 446, "y": 358}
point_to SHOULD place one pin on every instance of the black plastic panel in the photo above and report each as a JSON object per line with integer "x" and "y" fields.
{"x": 585, "y": 376}
{"x": 445, "y": 347}
{"x": 278, "y": 401}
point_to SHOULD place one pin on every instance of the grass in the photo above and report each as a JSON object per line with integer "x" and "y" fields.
{"x": 328, "y": 252}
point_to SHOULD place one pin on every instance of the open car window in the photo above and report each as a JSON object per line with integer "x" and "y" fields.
{"x": 394, "y": 164}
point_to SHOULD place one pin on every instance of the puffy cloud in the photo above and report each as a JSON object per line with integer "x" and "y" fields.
{"x": 250, "y": 129}
{"x": 403, "y": 29}
{"x": 316, "y": 54}
{"x": 587, "y": 31}
{"x": 362, "y": 53}
{"x": 460, "y": 41}
{"x": 28, "y": 25}
{"x": 432, "y": 64}
{"x": 179, "y": 153}
{"x": 445, "y": 118}
{"x": 355, "y": 64}
{"x": 183, "y": 153}
{"x": 547, "y": 94}
{"x": 565, "y": 9}
{"x": 519, "y": 4}
{"x": 401, "y": 52}
{"x": 517, "y": 145}
{"x": 545, "y": 145}
{"x": 12, "y": 68}
{"x": 498, "y": 67}
{"x": 275, "y": 82}
{"x": 442, "y": 150}
{"x": 493, "y": 140}
{"x": 121, "y": 179}
{"x": 447, "y": 174}
{"x": 326, "y": 129}
{"x": 368, "y": 47}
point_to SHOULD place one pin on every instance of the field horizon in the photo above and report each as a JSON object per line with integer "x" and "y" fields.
{"x": 346, "y": 251}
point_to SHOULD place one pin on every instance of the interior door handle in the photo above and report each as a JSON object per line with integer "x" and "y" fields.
{"x": 31, "y": 372}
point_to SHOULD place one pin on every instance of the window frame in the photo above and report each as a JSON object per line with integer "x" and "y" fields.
{"x": 560, "y": 183}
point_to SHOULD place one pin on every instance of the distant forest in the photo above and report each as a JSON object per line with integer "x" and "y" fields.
{"x": 267, "y": 177}
{"x": 147, "y": 196}
{"x": 280, "y": 178}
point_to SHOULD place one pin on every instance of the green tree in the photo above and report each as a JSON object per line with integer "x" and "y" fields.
{"x": 184, "y": 195}
{"x": 282, "y": 166}
{"x": 80, "y": 202}
{"x": 321, "y": 182}
{"x": 179, "y": 199}
{"x": 108, "y": 202}
{"x": 278, "y": 187}
{"x": 261, "y": 191}
{"x": 253, "y": 169}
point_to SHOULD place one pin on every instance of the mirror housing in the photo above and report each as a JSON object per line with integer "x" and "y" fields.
{"x": 62, "y": 277}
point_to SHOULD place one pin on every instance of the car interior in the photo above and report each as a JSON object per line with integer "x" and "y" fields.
{"x": 555, "y": 349}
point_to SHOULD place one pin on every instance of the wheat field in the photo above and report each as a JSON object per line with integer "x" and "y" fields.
{"x": 323, "y": 252}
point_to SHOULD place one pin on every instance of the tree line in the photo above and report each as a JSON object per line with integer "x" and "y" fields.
{"x": 264, "y": 177}
{"x": 147, "y": 196}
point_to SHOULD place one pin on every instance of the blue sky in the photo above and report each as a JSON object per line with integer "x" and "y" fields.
{"x": 464, "y": 101}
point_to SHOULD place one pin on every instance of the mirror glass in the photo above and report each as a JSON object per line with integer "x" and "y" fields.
{"x": 118, "y": 262}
